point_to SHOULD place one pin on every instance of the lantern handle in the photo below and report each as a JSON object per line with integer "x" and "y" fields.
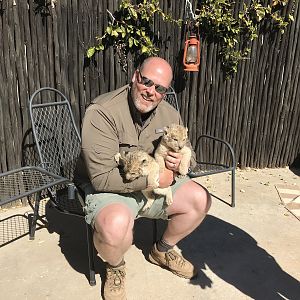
{"x": 190, "y": 19}
{"x": 188, "y": 10}
{"x": 192, "y": 30}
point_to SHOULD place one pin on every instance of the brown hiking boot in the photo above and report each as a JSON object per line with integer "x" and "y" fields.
{"x": 114, "y": 287}
{"x": 172, "y": 261}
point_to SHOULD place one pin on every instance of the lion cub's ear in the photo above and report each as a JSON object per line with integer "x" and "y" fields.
{"x": 145, "y": 162}
{"x": 118, "y": 158}
{"x": 166, "y": 129}
{"x": 121, "y": 158}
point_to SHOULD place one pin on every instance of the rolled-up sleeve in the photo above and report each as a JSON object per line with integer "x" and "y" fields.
{"x": 100, "y": 143}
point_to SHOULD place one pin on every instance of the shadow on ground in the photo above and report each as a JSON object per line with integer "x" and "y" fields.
{"x": 72, "y": 240}
{"x": 73, "y": 243}
{"x": 295, "y": 165}
{"x": 226, "y": 250}
{"x": 295, "y": 169}
{"x": 13, "y": 228}
{"x": 234, "y": 256}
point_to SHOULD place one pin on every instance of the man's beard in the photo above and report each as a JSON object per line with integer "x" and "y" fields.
{"x": 144, "y": 108}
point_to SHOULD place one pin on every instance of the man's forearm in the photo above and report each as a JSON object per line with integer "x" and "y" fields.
{"x": 113, "y": 182}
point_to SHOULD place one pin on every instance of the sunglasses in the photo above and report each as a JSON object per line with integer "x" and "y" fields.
{"x": 148, "y": 83}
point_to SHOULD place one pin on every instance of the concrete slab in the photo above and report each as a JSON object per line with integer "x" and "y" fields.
{"x": 247, "y": 252}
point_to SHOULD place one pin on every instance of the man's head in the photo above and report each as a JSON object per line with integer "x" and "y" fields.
{"x": 150, "y": 82}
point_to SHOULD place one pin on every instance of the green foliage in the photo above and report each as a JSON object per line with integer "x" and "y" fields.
{"x": 216, "y": 22}
{"x": 130, "y": 31}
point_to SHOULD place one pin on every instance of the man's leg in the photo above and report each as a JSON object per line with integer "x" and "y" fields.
{"x": 112, "y": 238}
{"x": 113, "y": 232}
{"x": 112, "y": 217}
{"x": 189, "y": 208}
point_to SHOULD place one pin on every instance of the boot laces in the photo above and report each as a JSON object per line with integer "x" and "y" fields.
{"x": 115, "y": 278}
{"x": 174, "y": 256}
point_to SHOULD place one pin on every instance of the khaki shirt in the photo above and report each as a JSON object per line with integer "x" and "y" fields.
{"x": 112, "y": 124}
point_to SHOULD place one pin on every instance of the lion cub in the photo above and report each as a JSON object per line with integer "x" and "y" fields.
{"x": 174, "y": 139}
{"x": 139, "y": 163}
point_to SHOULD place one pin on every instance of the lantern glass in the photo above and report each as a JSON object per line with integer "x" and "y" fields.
{"x": 192, "y": 54}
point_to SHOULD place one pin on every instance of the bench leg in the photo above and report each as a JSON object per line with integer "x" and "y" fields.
{"x": 33, "y": 221}
{"x": 90, "y": 245}
{"x": 233, "y": 188}
{"x": 154, "y": 227}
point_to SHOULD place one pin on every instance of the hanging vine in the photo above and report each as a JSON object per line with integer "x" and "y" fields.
{"x": 130, "y": 29}
{"x": 217, "y": 23}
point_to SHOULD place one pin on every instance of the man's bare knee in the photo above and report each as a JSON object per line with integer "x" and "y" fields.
{"x": 113, "y": 223}
{"x": 201, "y": 199}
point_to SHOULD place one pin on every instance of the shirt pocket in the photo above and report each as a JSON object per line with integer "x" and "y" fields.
{"x": 127, "y": 142}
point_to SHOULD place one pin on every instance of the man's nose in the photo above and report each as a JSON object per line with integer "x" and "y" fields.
{"x": 151, "y": 89}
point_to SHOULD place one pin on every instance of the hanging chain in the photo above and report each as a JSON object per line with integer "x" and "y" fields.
{"x": 189, "y": 14}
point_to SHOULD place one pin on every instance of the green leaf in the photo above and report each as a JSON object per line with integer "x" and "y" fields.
{"x": 136, "y": 42}
{"x": 144, "y": 49}
{"x": 109, "y": 30}
{"x": 100, "y": 47}
{"x": 130, "y": 42}
{"x": 133, "y": 12}
{"x": 114, "y": 33}
{"x": 90, "y": 52}
{"x": 291, "y": 18}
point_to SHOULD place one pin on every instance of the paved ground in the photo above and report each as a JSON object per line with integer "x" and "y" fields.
{"x": 248, "y": 252}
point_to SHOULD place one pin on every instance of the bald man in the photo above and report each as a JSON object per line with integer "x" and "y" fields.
{"x": 127, "y": 119}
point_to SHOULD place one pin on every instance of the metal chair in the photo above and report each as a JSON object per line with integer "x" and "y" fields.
{"x": 58, "y": 145}
{"x": 203, "y": 167}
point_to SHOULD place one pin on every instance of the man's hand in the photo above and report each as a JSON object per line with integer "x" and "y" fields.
{"x": 173, "y": 160}
{"x": 166, "y": 178}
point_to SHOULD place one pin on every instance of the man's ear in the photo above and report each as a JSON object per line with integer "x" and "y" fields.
{"x": 133, "y": 79}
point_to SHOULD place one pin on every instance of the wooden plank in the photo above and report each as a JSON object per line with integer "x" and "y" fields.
{"x": 81, "y": 59}
{"x": 51, "y": 48}
{"x": 71, "y": 56}
{"x": 247, "y": 98}
{"x": 3, "y": 109}
{"x": 28, "y": 45}
{"x": 56, "y": 45}
{"x": 11, "y": 130}
{"x": 86, "y": 24}
{"x": 32, "y": 19}
{"x": 22, "y": 95}
{"x": 63, "y": 45}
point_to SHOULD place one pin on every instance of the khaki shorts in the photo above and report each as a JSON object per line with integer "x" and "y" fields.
{"x": 135, "y": 201}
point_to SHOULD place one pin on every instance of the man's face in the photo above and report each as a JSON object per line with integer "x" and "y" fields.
{"x": 148, "y": 88}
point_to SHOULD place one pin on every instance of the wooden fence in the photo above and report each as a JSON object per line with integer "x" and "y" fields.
{"x": 257, "y": 110}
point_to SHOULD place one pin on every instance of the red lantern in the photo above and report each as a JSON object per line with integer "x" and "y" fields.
{"x": 191, "y": 55}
